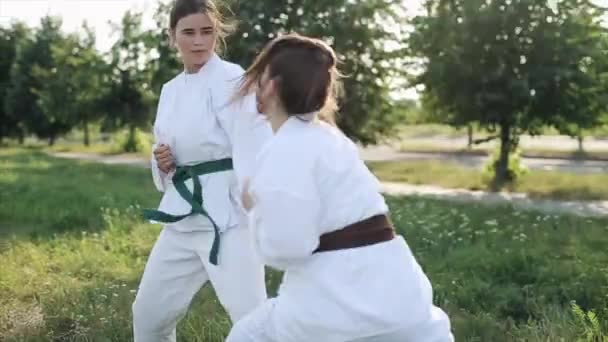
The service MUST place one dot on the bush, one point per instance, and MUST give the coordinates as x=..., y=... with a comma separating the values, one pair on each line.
x=515, y=171
x=588, y=322
x=139, y=142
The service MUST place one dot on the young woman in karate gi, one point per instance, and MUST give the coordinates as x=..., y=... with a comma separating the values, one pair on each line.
x=205, y=237
x=317, y=213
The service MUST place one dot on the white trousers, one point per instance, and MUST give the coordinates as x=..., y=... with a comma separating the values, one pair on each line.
x=377, y=293
x=178, y=267
x=257, y=327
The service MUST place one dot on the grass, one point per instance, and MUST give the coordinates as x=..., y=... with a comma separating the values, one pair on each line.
x=43, y=195
x=536, y=183
x=71, y=275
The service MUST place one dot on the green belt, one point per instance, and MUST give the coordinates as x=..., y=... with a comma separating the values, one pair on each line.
x=194, y=198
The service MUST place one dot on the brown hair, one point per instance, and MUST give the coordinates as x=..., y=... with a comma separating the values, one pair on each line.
x=184, y=8
x=306, y=71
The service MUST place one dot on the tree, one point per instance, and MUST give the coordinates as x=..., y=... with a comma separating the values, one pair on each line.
x=164, y=64
x=22, y=99
x=89, y=73
x=130, y=97
x=69, y=92
x=583, y=102
x=510, y=65
x=359, y=31
x=11, y=41
x=55, y=93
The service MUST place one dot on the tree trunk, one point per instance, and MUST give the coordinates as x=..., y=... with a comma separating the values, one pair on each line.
x=52, y=140
x=580, y=137
x=131, y=145
x=21, y=137
x=502, y=166
x=470, y=134
x=86, y=133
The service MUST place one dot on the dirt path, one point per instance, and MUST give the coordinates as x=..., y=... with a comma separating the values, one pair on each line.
x=388, y=153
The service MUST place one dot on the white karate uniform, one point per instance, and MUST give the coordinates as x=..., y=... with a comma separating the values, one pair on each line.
x=197, y=119
x=309, y=180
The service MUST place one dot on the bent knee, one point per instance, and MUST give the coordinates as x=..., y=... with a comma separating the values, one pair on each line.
x=240, y=305
x=150, y=316
x=237, y=310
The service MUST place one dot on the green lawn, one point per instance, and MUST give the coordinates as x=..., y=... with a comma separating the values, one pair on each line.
x=43, y=195
x=69, y=268
x=111, y=144
x=410, y=146
x=536, y=183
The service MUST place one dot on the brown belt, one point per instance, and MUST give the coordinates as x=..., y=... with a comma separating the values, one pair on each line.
x=373, y=230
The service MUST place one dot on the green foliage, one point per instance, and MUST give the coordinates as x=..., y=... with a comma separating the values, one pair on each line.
x=11, y=41
x=69, y=93
x=409, y=112
x=592, y=330
x=359, y=31
x=515, y=169
x=144, y=83
x=130, y=100
x=165, y=64
x=88, y=70
x=124, y=141
x=54, y=82
x=356, y=29
x=512, y=66
x=22, y=98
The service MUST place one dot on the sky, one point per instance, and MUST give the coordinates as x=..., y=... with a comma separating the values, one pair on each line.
x=97, y=13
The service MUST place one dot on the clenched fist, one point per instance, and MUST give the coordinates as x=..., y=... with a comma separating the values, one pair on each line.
x=164, y=158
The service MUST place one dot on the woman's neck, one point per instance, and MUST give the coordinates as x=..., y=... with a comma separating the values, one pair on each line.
x=193, y=69
x=277, y=119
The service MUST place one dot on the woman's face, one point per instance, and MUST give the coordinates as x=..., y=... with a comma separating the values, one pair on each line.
x=195, y=39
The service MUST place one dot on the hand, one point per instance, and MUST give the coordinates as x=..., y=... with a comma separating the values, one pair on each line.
x=164, y=158
x=246, y=197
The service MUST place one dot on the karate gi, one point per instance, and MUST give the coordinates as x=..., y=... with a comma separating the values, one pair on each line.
x=309, y=180
x=198, y=120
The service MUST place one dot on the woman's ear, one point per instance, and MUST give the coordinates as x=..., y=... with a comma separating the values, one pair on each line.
x=274, y=92
x=274, y=85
